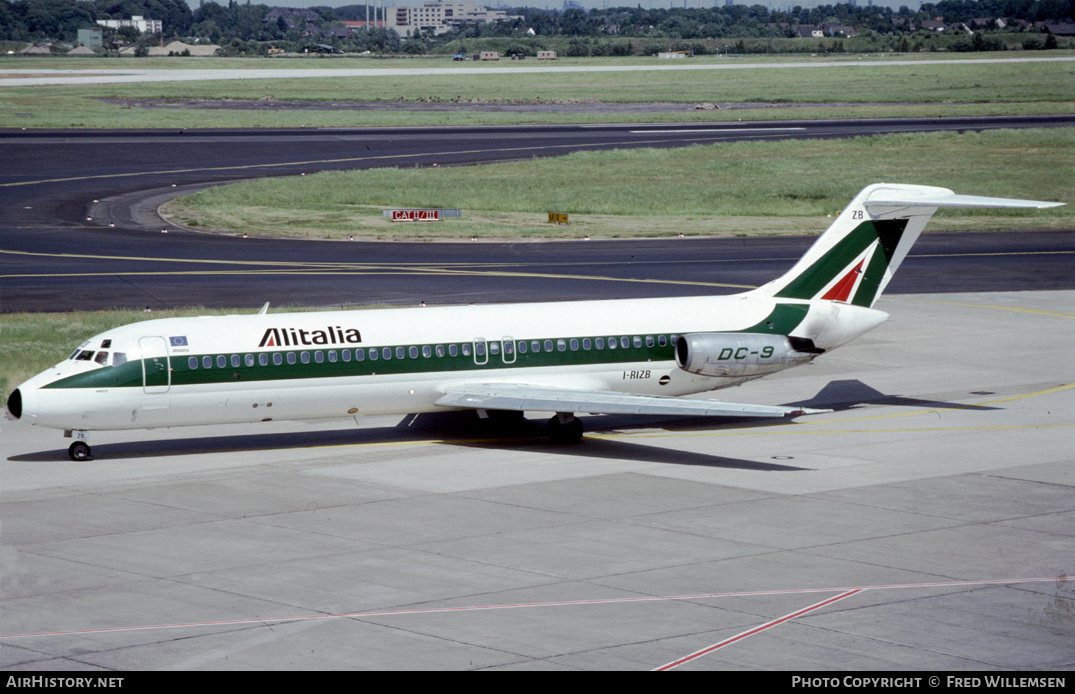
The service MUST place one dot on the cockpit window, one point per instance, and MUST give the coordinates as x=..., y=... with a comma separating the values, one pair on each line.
x=85, y=355
x=119, y=359
x=102, y=357
x=106, y=344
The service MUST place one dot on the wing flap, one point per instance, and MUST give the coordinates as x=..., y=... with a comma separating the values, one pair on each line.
x=522, y=397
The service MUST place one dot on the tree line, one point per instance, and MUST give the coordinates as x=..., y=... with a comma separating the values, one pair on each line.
x=241, y=27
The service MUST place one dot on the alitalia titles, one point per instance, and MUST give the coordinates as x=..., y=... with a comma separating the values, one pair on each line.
x=296, y=337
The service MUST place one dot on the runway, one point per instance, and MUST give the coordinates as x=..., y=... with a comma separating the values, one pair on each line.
x=79, y=230
x=128, y=75
x=922, y=526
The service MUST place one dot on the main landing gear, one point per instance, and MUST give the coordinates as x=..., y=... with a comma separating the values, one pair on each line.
x=564, y=427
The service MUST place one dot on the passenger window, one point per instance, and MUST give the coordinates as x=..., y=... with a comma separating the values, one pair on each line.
x=319, y=357
x=207, y=362
x=440, y=350
x=638, y=341
x=400, y=353
x=373, y=354
x=235, y=361
x=453, y=350
x=222, y=361
x=249, y=360
x=278, y=359
x=612, y=343
x=625, y=342
x=574, y=345
x=586, y=344
x=291, y=359
x=466, y=349
x=427, y=352
x=561, y=345
x=347, y=354
x=305, y=357
x=535, y=346
x=413, y=351
x=263, y=359
x=600, y=343
x=386, y=352
x=548, y=345
x=522, y=347
x=192, y=363
x=332, y=356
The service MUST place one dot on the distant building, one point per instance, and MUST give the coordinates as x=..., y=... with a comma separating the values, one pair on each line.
x=294, y=17
x=91, y=37
x=143, y=25
x=441, y=17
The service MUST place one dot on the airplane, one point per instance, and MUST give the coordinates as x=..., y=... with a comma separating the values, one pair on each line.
x=620, y=356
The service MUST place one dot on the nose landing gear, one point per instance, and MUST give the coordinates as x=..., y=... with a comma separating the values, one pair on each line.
x=80, y=449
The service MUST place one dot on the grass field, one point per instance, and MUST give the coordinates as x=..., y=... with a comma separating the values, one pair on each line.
x=863, y=88
x=725, y=189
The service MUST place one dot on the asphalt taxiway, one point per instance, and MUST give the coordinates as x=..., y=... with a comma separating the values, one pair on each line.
x=924, y=524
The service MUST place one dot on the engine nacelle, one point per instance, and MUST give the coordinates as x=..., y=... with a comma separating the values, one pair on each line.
x=741, y=354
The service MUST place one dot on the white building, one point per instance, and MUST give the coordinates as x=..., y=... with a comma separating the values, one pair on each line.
x=145, y=26
x=440, y=17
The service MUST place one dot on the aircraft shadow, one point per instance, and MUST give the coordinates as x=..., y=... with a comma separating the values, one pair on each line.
x=466, y=429
x=848, y=394
x=463, y=429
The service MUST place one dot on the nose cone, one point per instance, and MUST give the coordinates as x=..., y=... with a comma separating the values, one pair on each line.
x=22, y=404
x=14, y=404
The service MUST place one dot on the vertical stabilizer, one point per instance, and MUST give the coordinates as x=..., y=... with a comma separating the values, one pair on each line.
x=856, y=257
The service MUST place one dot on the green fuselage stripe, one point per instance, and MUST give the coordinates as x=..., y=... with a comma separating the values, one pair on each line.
x=568, y=351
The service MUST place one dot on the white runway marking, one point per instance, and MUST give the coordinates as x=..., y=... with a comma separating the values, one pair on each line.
x=713, y=130
x=30, y=77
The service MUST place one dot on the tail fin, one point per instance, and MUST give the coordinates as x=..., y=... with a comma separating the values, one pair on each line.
x=856, y=257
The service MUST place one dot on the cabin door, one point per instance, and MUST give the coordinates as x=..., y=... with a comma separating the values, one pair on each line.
x=156, y=365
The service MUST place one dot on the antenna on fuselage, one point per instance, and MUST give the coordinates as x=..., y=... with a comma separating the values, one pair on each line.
x=264, y=309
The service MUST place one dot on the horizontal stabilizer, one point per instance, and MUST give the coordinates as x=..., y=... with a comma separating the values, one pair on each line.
x=922, y=196
x=522, y=397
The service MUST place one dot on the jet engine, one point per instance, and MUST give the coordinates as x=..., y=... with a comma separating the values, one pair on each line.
x=741, y=354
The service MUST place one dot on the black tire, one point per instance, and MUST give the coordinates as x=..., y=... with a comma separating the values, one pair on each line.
x=79, y=451
x=564, y=432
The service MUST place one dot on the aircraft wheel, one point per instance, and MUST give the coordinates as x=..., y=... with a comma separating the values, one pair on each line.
x=564, y=432
x=79, y=451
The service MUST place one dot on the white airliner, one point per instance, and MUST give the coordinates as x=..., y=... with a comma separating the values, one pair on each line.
x=604, y=357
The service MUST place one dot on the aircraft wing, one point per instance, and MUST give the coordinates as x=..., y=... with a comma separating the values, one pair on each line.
x=522, y=397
